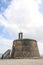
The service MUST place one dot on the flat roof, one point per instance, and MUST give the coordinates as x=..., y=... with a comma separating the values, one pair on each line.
x=25, y=40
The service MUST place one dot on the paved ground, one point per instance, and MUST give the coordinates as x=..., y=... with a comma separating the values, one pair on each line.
x=21, y=62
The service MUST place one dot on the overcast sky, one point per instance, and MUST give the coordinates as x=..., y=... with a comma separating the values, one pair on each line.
x=21, y=16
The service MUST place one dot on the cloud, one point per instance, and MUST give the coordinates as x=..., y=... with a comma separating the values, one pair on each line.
x=5, y=44
x=4, y=5
x=40, y=47
x=41, y=7
x=24, y=15
x=38, y=1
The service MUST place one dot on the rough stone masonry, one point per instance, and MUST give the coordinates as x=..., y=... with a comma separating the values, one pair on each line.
x=24, y=48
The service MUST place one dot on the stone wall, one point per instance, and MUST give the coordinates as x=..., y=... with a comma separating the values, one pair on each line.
x=25, y=48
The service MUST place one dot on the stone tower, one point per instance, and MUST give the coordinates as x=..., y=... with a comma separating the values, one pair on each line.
x=24, y=48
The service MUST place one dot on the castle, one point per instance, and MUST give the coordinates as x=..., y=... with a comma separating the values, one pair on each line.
x=22, y=49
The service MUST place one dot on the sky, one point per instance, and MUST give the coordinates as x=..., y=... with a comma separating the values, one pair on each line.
x=21, y=16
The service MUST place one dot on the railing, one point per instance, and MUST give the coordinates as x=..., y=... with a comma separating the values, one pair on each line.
x=7, y=54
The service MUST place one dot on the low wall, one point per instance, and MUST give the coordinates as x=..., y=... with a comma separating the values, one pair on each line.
x=21, y=62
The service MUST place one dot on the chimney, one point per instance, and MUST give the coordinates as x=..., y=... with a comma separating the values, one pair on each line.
x=20, y=35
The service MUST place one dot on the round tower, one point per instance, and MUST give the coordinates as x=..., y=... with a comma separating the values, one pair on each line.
x=24, y=48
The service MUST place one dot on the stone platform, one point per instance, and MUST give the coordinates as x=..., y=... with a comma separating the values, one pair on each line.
x=21, y=62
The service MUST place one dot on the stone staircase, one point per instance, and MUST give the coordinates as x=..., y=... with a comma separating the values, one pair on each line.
x=7, y=54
